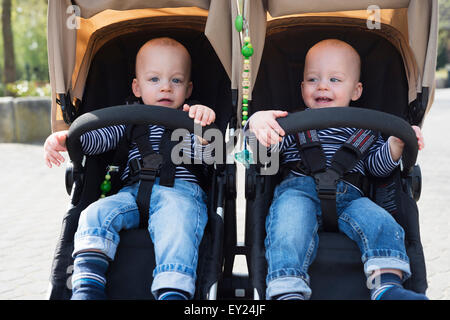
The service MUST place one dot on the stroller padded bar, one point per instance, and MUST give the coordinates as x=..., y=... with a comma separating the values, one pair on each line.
x=358, y=118
x=127, y=114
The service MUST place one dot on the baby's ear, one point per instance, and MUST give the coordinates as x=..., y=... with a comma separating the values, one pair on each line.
x=357, y=91
x=136, y=88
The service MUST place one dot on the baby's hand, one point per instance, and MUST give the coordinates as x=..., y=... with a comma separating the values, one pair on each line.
x=201, y=114
x=54, y=144
x=396, y=145
x=265, y=127
x=419, y=135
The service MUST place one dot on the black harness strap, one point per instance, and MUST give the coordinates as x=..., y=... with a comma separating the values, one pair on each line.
x=168, y=169
x=151, y=166
x=345, y=159
x=352, y=150
x=148, y=171
x=311, y=152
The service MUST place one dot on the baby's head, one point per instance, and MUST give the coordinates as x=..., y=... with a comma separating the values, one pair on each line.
x=163, y=70
x=331, y=75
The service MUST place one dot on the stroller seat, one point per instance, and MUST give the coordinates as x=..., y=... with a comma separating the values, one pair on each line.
x=130, y=274
x=337, y=272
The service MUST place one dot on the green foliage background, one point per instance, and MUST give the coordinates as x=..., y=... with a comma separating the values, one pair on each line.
x=444, y=33
x=29, y=24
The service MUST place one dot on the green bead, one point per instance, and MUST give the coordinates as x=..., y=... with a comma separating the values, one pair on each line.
x=245, y=108
x=244, y=117
x=247, y=50
x=105, y=186
x=239, y=23
x=244, y=100
x=108, y=177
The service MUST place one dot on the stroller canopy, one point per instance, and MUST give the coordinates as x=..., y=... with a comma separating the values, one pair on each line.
x=410, y=25
x=77, y=29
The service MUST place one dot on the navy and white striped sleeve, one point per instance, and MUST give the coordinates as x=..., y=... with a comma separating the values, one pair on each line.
x=101, y=140
x=379, y=161
x=287, y=142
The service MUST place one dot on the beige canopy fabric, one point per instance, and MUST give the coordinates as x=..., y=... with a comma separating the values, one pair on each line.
x=89, y=8
x=410, y=25
x=77, y=30
x=75, y=33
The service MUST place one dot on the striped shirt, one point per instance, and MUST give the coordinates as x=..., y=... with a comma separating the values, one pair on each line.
x=105, y=139
x=378, y=161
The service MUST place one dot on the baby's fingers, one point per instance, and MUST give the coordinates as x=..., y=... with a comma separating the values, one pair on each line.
x=277, y=128
x=53, y=157
x=202, y=115
x=267, y=137
x=199, y=116
x=211, y=117
x=196, y=113
x=262, y=138
x=273, y=136
x=419, y=135
x=186, y=107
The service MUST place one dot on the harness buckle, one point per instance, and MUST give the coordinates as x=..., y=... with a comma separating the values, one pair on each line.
x=149, y=169
x=326, y=183
x=135, y=167
x=150, y=166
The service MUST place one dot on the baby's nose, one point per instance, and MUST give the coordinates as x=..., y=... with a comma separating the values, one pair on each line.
x=322, y=85
x=166, y=85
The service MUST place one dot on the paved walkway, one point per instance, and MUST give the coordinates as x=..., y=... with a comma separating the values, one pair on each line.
x=33, y=201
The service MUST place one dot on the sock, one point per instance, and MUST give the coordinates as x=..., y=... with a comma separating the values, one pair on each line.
x=290, y=296
x=88, y=279
x=391, y=288
x=172, y=294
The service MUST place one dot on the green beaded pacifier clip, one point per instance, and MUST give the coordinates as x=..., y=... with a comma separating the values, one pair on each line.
x=241, y=25
x=105, y=187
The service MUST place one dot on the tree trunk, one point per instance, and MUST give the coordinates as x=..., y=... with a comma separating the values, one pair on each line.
x=8, y=44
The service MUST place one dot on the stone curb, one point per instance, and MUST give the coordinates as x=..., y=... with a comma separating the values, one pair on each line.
x=24, y=120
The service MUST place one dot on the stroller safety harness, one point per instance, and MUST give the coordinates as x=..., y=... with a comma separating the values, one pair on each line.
x=152, y=162
x=313, y=163
x=151, y=166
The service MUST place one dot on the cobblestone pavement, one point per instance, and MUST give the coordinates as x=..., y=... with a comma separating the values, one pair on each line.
x=33, y=200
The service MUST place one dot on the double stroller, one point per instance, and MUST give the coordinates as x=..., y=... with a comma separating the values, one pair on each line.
x=91, y=68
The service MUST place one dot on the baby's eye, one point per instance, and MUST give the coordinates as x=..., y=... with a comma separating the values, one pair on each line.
x=176, y=81
x=335, y=80
x=154, y=79
x=312, y=80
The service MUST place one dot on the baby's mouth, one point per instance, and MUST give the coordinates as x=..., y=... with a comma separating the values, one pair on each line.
x=165, y=101
x=323, y=100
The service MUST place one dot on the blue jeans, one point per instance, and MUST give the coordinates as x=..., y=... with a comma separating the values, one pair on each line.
x=292, y=240
x=177, y=219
